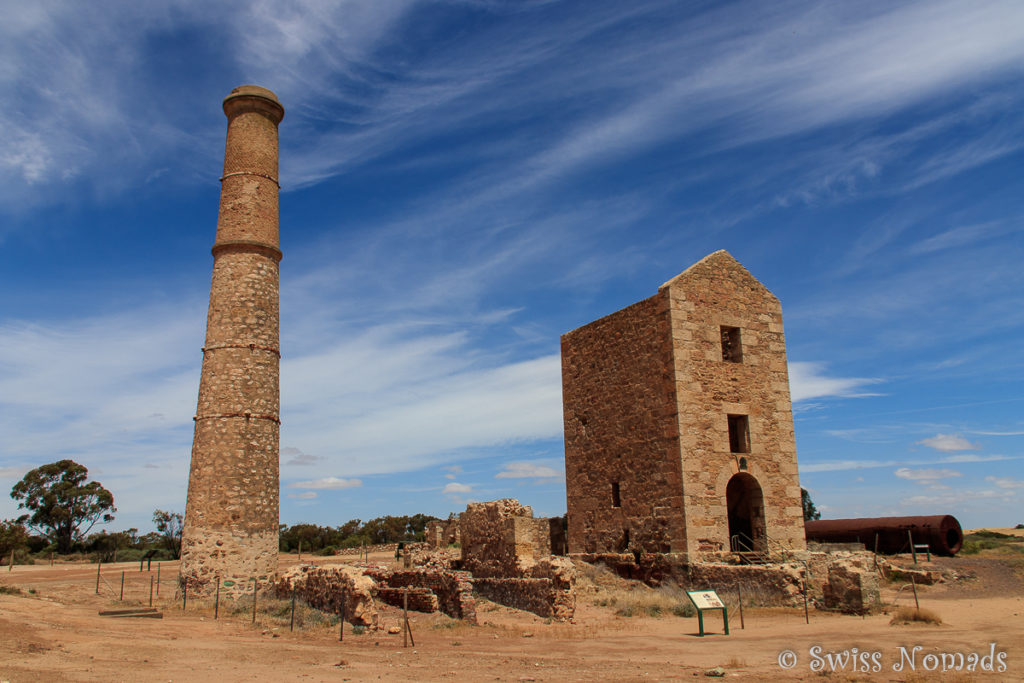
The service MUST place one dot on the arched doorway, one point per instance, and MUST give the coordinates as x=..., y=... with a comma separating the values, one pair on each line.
x=746, y=513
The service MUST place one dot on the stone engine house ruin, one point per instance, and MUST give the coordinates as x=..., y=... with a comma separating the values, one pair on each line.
x=678, y=424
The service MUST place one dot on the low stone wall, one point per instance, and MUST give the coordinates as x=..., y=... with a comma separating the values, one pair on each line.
x=776, y=584
x=453, y=588
x=539, y=596
x=325, y=588
x=420, y=599
x=381, y=547
x=851, y=590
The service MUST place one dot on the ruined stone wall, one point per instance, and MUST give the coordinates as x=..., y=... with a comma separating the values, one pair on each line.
x=539, y=596
x=779, y=584
x=621, y=431
x=557, y=535
x=329, y=589
x=718, y=292
x=441, y=533
x=501, y=538
x=453, y=588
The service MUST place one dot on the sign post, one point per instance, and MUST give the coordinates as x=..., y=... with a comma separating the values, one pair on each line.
x=708, y=601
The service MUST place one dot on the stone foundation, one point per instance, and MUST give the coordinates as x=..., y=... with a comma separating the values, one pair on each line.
x=234, y=560
x=851, y=590
x=453, y=589
x=324, y=588
x=539, y=596
x=774, y=584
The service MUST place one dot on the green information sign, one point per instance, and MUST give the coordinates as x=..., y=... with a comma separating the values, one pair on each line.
x=708, y=601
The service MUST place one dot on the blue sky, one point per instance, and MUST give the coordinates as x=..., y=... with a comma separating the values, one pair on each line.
x=464, y=181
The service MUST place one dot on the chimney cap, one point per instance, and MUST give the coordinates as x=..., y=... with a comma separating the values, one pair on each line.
x=252, y=91
x=271, y=105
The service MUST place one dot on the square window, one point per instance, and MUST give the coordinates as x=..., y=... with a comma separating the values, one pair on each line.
x=732, y=346
x=739, y=434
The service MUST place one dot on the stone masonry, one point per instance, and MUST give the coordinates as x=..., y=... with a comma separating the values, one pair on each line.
x=508, y=552
x=678, y=424
x=231, y=517
x=441, y=533
x=501, y=538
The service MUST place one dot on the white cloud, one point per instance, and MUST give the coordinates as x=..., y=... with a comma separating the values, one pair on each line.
x=306, y=495
x=1006, y=482
x=949, y=443
x=955, y=498
x=455, y=487
x=843, y=465
x=528, y=470
x=808, y=380
x=926, y=475
x=299, y=458
x=452, y=471
x=327, y=483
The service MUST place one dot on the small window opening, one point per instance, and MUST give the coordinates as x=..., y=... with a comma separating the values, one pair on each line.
x=625, y=538
x=739, y=434
x=743, y=464
x=616, y=499
x=732, y=347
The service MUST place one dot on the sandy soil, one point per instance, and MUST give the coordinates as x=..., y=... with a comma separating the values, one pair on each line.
x=55, y=634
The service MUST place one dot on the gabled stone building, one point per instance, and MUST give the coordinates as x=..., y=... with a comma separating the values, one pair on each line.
x=678, y=424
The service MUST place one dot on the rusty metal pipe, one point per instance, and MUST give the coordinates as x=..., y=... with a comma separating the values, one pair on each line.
x=942, y=533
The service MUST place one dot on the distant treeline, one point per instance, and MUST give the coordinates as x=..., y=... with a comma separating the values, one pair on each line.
x=354, y=533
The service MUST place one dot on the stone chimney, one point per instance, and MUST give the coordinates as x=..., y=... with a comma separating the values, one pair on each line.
x=231, y=516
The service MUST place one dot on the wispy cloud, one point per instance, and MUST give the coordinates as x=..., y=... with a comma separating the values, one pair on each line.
x=298, y=458
x=964, y=235
x=949, y=443
x=528, y=470
x=327, y=484
x=456, y=487
x=808, y=380
x=1006, y=482
x=926, y=474
x=865, y=464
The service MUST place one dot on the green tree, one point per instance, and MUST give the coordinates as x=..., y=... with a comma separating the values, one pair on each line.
x=810, y=511
x=13, y=536
x=63, y=505
x=169, y=525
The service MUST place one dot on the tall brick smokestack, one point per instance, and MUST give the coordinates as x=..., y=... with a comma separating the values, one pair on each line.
x=231, y=517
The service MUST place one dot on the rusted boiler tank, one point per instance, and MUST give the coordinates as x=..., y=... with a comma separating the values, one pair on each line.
x=942, y=533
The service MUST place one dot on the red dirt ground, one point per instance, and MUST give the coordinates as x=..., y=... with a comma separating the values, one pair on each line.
x=55, y=634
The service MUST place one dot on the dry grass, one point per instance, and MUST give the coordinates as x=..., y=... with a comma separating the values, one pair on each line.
x=910, y=615
x=631, y=598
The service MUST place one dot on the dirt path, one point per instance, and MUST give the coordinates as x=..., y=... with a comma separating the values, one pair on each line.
x=55, y=634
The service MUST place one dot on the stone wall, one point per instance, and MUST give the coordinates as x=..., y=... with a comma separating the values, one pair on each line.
x=509, y=555
x=441, y=533
x=623, y=475
x=501, y=538
x=453, y=589
x=851, y=590
x=539, y=596
x=649, y=394
x=325, y=588
x=776, y=584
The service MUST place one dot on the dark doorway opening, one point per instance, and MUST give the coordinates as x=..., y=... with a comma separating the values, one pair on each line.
x=745, y=503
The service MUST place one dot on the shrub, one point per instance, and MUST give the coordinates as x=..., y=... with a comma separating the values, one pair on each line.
x=907, y=615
